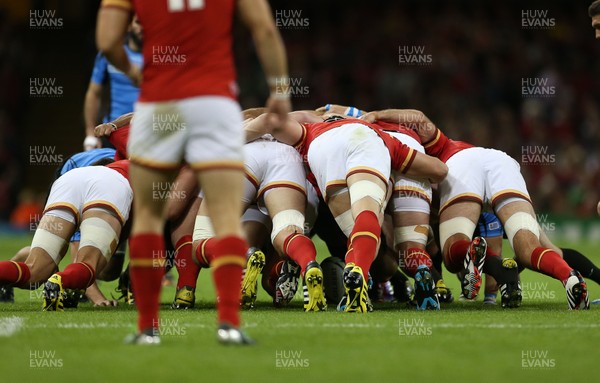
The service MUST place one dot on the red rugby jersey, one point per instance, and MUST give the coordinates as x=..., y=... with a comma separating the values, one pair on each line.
x=187, y=47
x=443, y=148
x=402, y=156
x=397, y=128
x=119, y=139
x=120, y=166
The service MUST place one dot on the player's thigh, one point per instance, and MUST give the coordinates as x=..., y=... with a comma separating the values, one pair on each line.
x=100, y=231
x=286, y=209
x=339, y=201
x=367, y=192
x=522, y=229
x=284, y=198
x=49, y=243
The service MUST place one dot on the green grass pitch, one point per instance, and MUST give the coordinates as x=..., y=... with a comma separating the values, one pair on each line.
x=541, y=341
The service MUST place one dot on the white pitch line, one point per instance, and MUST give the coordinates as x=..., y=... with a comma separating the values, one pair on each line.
x=10, y=325
x=350, y=325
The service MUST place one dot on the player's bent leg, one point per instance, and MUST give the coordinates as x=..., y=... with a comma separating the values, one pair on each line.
x=48, y=247
x=99, y=236
x=368, y=196
x=523, y=233
x=187, y=269
x=257, y=228
x=7, y=294
x=286, y=207
x=461, y=254
x=411, y=232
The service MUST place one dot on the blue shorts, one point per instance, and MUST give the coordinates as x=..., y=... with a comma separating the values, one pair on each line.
x=488, y=226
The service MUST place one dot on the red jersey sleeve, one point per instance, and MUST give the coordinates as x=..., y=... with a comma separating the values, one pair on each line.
x=435, y=146
x=302, y=144
x=119, y=139
x=443, y=148
x=401, y=154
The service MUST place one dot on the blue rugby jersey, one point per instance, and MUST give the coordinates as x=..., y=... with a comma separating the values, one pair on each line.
x=123, y=94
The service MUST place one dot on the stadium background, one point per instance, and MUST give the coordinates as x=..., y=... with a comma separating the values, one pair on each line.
x=348, y=52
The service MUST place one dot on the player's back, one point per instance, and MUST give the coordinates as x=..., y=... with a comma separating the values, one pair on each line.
x=187, y=48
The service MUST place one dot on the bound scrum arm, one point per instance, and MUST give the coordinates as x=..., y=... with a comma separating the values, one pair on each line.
x=412, y=118
x=289, y=133
x=427, y=166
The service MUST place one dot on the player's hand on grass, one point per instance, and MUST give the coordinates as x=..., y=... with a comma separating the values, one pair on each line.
x=106, y=303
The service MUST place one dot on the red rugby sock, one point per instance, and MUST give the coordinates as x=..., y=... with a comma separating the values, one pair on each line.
x=550, y=263
x=364, y=239
x=300, y=249
x=205, y=252
x=228, y=263
x=187, y=269
x=455, y=258
x=14, y=272
x=146, y=270
x=77, y=275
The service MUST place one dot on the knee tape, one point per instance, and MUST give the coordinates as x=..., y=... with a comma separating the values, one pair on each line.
x=286, y=218
x=364, y=188
x=98, y=233
x=203, y=228
x=49, y=242
x=453, y=226
x=520, y=221
x=414, y=233
x=346, y=222
x=411, y=204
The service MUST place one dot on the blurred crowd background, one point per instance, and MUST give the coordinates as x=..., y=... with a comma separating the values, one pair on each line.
x=477, y=55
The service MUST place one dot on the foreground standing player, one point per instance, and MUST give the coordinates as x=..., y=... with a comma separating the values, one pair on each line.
x=187, y=111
